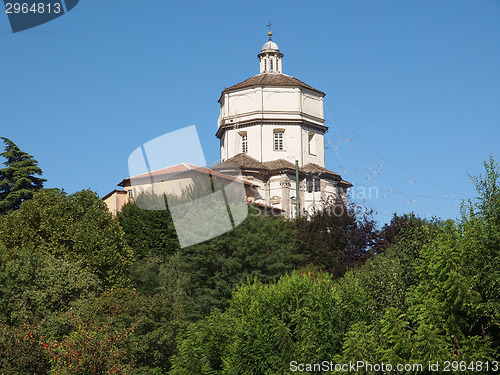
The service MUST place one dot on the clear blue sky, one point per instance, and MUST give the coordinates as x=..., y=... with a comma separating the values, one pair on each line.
x=413, y=88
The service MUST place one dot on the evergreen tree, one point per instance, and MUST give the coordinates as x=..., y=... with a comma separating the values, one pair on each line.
x=18, y=181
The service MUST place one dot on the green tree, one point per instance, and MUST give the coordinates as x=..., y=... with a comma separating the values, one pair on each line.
x=445, y=278
x=77, y=228
x=18, y=181
x=481, y=228
x=36, y=290
x=301, y=317
x=34, y=285
x=118, y=328
x=402, y=241
x=148, y=232
x=259, y=247
x=22, y=350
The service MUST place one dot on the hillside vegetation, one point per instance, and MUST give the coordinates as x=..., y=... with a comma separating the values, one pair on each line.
x=82, y=292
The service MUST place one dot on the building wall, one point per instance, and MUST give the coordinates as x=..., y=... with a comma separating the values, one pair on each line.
x=233, y=146
x=267, y=104
x=260, y=141
x=277, y=191
x=316, y=153
x=271, y=103
x=174, y=186
x=282, y=194
x=116, y=200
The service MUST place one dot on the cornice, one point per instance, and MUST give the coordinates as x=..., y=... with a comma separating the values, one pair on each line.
x=276, y=122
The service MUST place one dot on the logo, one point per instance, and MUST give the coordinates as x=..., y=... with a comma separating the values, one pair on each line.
x=169, y=172
x=25, y=14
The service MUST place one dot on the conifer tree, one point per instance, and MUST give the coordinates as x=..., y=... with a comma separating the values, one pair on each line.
x=18, y=180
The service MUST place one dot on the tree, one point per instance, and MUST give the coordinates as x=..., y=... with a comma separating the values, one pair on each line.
x=403, y=239
x=36, y=289
x=18, y=181
x=259, y=247
x=21, y=350
x=77, y=228
x=148, y=232
x=337, y=238
x=119, y=330
x=487, y=204
x=35, y=285
x=448, y=275
x=481, y=228
x=301, y=317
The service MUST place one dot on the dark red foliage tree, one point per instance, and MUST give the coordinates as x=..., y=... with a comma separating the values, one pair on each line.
x=337, y=238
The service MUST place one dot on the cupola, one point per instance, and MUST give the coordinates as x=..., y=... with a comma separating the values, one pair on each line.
x=270, y=57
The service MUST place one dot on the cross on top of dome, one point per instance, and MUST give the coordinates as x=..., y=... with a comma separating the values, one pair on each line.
x=270, y=45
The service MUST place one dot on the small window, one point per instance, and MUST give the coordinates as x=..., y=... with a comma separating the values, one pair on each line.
x=278, y=141
x=271, y=65
x=317, y=186
x=130, y=194
x=311, y=145
x=309, y=184
x=244, y=143
x=313, y=184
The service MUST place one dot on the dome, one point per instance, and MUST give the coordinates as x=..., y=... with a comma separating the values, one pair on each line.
x=270, y=45
x=270, y=57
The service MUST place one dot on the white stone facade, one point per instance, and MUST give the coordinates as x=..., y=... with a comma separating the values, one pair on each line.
x=266, y=124
x=259, y=112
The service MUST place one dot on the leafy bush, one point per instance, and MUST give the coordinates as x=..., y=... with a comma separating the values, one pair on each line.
x=77, y=228
x=36, y=285
x=301, y=317
x=22, y=351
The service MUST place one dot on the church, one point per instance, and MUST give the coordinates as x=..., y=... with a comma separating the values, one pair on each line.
x=271, y=129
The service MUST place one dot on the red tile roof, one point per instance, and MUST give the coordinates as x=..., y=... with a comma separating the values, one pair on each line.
x=113, y=192
x=183, y=167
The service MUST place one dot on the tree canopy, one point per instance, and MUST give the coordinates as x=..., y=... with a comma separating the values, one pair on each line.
x=432, y=293
x=76, y=227
x=18, y=180
x=83, y=292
